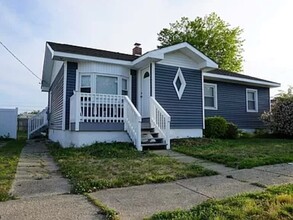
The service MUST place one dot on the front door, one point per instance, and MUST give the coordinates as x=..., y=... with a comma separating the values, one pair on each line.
x=145, y=93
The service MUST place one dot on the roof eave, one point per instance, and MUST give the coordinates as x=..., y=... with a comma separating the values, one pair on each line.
x=63, y=56
x=47, y=68
x=241, y=80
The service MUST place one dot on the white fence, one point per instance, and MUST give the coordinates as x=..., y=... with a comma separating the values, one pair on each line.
x=106, y=108
x=8, y=123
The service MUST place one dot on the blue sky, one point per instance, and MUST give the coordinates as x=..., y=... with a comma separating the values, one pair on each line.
x=115, y=25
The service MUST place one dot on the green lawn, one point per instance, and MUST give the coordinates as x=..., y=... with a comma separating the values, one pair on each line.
x=118, y=164
x=9, y=156
x=276, y=203
x=239, y=153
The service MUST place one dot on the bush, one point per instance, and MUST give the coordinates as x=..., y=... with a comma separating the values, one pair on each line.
x=215, y=127
x=280, y=118
x=232, y=131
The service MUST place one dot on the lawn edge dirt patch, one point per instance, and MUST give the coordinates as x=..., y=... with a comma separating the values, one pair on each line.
x=109, y=213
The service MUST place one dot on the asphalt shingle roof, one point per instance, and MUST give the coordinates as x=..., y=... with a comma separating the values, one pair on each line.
x=128, y=57
x=66, y=48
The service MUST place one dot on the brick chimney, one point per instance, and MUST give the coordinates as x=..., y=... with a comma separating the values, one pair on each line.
x=137, y=51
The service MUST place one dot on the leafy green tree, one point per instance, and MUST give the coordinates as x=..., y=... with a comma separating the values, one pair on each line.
x=211, y=35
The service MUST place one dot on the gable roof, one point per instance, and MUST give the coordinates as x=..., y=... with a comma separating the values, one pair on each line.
x=66, y=48
x=220, y=74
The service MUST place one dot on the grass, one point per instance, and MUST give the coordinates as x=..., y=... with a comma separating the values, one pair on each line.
x=109, y=213
x=9, y=156
x=238, y=153
x=104, y=165
x=276, y=203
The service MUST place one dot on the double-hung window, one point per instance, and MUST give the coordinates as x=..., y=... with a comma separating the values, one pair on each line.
x=210, y=96
x=103, y=84
x=251, y=100
x=124, y=87
x=85, y=83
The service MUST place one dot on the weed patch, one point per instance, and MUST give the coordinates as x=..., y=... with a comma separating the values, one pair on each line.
x=103, y=165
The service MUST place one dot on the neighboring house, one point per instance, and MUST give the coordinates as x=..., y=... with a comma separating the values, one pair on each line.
x=8, y=123
x=98, y=95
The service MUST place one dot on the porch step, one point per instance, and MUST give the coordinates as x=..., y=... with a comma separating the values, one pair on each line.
x=153, y=140
x=154, y=146
x=146, y=129
x=150, y=140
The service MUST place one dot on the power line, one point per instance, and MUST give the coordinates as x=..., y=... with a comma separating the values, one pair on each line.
x=20, y=61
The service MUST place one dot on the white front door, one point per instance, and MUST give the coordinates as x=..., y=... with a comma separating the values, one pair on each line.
x=145, y=93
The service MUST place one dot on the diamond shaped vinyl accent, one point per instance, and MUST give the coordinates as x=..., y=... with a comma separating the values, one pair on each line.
x=179, y=83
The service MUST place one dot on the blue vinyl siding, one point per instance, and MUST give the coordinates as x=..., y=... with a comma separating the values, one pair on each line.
x=56, y=108
x=185, y=113
x=232, y=104
x=70, y=87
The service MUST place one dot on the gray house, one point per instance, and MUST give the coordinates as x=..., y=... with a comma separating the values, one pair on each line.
x=148, y=99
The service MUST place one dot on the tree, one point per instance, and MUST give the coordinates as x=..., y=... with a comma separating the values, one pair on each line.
x=280, y=118
x=211, y=35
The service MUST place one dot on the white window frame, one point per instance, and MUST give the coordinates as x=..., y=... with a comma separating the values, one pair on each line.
x=93, y=80
x=127, y=85
x=215, y=96
x=256, y=100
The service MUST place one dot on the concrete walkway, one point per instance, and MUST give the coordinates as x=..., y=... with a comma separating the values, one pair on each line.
x=138, y=202
x=42, y=192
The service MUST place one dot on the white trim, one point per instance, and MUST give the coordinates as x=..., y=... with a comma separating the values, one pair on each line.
x=157, y=55
x=62, y=55
x=185, y=133
x=138, y=98
x=179, y=75
x=257, y=82
x=256, y=100
x=51, y=50
x=202, y=96
x=215, y=96
x=77, y=80
x=153, y=80
x=64, y=96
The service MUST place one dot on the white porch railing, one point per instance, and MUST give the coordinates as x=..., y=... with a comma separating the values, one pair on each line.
x=37, y=122
x=132, y=122
x=106, y=108
x=160, y=120
x=94, y=107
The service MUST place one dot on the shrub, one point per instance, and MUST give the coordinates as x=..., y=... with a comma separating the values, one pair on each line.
x=280, y=118
x=215, y=127
x=232, y=131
